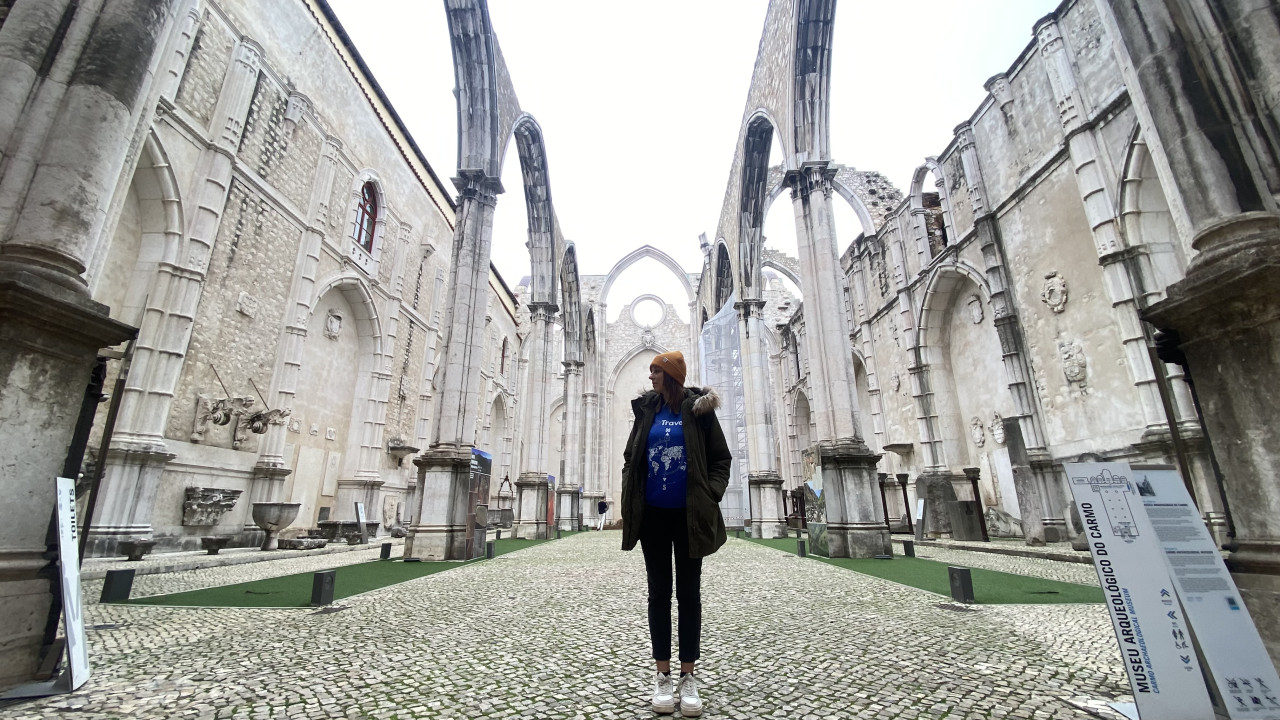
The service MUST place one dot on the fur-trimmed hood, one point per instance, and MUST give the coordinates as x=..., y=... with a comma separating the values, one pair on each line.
x=705, y=400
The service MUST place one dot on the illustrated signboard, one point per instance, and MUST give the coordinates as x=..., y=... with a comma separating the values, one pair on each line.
x=1149, y=624
x=1238, y=662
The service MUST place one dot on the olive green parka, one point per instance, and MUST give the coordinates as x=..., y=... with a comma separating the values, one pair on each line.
x=708, y=459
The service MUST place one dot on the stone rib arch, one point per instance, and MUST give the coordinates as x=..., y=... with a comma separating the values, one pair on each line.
x=778, y=185
x=783, y=270
x=653, y=253
x=545, y=245
x=754, y=200
x=811, y=91
x=915, y=197
x=627, y=357
x=476, y=79
x=571, y=305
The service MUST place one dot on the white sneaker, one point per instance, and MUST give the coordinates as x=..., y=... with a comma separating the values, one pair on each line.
x=664, y=700
x=690, y=703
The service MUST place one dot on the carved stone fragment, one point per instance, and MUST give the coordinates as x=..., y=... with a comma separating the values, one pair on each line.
x=203, y=506
x=1055, y=292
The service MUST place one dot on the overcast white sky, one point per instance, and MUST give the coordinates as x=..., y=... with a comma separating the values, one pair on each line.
x=640, y=104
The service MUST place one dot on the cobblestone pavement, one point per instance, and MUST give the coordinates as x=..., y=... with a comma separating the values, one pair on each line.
x=558, y=630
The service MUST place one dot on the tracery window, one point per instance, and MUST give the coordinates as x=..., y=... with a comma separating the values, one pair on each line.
x=502, y=362
x=724, y=278
x=367, y=217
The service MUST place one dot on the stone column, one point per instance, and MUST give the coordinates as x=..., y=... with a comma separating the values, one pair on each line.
x=763, y=481
x=1205, y=89
x=854, y=525
x=70, y=125
x=444, y=470
x=537, y=398
x=568, y=492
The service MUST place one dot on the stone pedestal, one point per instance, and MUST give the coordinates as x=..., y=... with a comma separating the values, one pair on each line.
x=567, y=508
x=937, y=488
x=854, y=526
x=440, y=530
x=766, y=505
x=49, y=337
x=126, y=497
x=1227, y=317
x=531, y=507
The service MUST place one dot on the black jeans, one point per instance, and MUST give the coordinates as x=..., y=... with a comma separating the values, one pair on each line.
x=665, y=534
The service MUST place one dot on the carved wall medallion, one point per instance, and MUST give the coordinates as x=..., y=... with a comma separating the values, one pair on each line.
x=330, y=434
x=1055, y=292
x=295, y=425
x=647, y=338
x=895, y=382
x=333, y=324
x=977, y=432
x=247, y=305
x=975, y=309
x=315, y=429
x=1074, y=363
x=997, y=428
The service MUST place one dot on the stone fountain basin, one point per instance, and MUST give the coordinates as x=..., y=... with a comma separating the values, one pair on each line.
x=274, y=517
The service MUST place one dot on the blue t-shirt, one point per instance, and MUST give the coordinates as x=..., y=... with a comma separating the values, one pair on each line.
x=668, y=464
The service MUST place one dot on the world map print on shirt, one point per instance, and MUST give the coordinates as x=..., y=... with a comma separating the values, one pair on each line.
x=668, y=465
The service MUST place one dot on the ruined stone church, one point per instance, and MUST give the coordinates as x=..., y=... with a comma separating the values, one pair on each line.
x=230, y=282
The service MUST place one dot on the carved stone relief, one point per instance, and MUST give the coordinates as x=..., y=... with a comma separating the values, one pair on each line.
x=295, y=425
x=203, y=506
x=977, y=432
x=333, y=324
x=315, y=429
x=1075, y=366
x=247, y=305
x=1055, y=292
x=975, y=309
x=895, y=382
x=997, y=429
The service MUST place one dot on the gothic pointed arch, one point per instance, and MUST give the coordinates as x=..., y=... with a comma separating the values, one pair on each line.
x=476, y=79
x=916, y=196
x=653, y=253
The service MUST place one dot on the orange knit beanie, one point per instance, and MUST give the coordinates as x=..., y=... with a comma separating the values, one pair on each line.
x=671, y=363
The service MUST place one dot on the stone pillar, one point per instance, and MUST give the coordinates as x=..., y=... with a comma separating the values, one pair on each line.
x=854, y=528
x=1205, y=89
x=763, y=481
x=568, y=490
x=444, y=471
x=537, y=398
x=69, y=126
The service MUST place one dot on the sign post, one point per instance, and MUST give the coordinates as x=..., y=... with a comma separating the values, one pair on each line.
x=364, y=531
x=77, y=671
x=1237, y=660
x=1148, y=621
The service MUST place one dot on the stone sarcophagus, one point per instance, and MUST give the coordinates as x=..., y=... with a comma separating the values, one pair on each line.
x=204, y=506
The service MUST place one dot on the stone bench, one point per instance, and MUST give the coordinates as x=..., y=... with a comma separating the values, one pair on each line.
x=213, y=544
x=135, y=549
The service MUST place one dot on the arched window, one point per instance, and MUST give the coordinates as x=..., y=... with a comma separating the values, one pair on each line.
x=367, y=217
x=502, y=363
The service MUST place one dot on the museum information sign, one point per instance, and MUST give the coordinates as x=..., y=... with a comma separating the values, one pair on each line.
x=1149, y=624
x=1229, y=643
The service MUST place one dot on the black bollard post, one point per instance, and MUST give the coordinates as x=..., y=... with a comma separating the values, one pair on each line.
x=801, y=551
x=488, y=550
x=498, y=536
x=386, y=552
x=117, y=586
x=961, y=584
x=322, y=587
x=909, y=548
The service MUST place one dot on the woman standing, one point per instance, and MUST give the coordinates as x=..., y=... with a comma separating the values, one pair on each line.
x=675, y=470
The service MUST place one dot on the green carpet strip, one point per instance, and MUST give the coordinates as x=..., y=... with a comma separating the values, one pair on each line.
x=989, y=586
x=291, y=591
